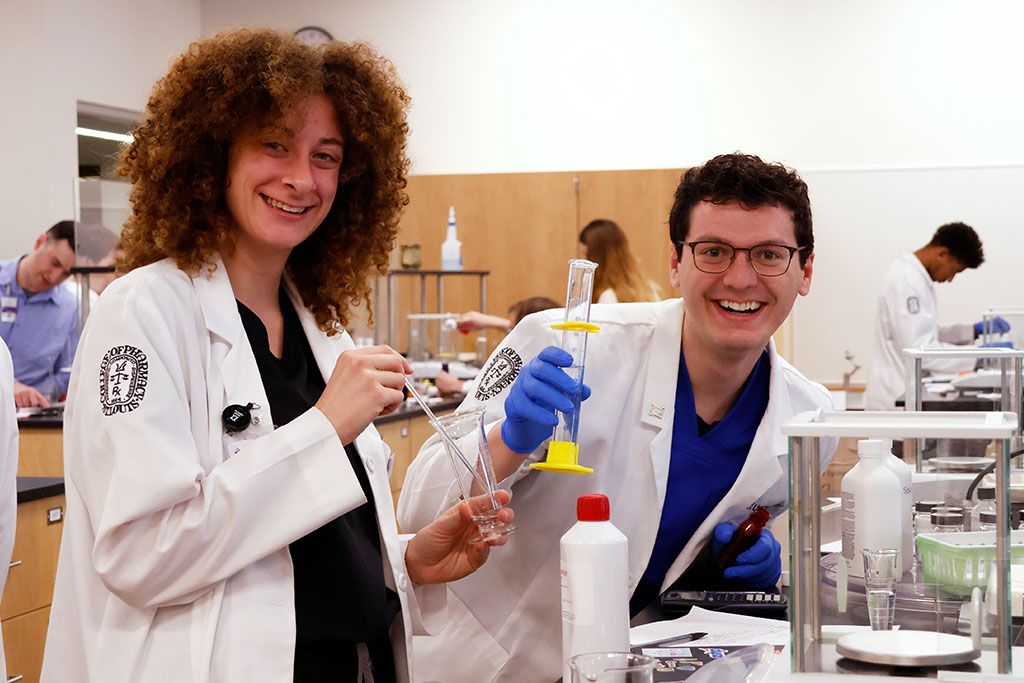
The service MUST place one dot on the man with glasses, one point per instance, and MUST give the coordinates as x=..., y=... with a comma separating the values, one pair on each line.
x=907, y=314
x=682, y=429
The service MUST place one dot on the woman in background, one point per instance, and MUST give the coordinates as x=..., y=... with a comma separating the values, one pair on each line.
x=229, y=511
x=618, y=278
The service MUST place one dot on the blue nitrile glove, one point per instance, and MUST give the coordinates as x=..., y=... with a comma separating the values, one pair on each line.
x=998, y=345
x=996, y=326
x=541, y=388
x=759, y=566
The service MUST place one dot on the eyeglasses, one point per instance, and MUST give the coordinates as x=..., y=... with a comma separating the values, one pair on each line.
x=770, y=260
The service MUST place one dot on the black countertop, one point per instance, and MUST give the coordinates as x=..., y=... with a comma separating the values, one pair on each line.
x=34, y=488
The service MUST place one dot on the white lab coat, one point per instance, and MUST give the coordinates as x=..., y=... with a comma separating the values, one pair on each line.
x=907, y=317
x=8, y=475
x=174, y=564
x=505, y=620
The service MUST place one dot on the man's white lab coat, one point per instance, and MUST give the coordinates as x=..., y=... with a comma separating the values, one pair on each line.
x=907, y=317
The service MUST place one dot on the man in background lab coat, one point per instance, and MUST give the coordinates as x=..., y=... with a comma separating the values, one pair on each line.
x=682, y=430
x=907, y=314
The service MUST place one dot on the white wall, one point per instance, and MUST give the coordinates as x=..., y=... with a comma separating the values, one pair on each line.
x=54, y=53
x=543, y=85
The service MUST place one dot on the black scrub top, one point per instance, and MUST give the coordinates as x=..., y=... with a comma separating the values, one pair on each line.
x=340, y=595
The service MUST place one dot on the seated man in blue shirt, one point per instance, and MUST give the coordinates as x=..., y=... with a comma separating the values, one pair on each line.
x=683, y=430
x=39, y=320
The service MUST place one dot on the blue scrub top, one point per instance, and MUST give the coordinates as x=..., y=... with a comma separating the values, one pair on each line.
x=43, y=334
x=703, y=468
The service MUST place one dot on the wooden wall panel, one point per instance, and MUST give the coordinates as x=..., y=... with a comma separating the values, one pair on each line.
x=520, y=226
x=639, y=201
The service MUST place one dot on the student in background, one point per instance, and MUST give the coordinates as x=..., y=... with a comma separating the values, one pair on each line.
x=907, y=314
x=40, y=319
x=475, y=321
x=618, y=277
x=8, y=474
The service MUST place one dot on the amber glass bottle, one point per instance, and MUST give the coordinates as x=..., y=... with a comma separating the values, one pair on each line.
x=744, y=537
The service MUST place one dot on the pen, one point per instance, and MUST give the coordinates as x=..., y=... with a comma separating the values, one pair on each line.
x=685, y=638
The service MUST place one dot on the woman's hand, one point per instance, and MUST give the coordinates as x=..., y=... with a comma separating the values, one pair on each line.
x=441, y=550
x=366, y=383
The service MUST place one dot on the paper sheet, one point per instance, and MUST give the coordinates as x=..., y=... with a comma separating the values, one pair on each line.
x=722, y=628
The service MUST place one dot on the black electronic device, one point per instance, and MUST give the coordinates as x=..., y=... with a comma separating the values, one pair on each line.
x=762, y=603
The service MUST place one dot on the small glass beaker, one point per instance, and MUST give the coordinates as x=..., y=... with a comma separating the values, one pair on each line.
x=411, y=256
x=881, y=569
x=612, y=667
x=475, y=477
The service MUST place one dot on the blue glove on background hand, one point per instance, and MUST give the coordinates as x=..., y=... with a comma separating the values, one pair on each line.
x=760, y=566
x=541, y=388
x=995, y=326
x=998, y=345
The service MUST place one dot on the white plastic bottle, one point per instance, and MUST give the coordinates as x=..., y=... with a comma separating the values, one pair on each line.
x=871, y=496
x=451, y=248
x=903, y=473
x=595, y=583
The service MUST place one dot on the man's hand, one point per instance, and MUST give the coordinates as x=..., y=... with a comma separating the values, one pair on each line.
x=760, y=566
x=996, y=325
x=441, y=551
x=27, y=397
x=541, y=389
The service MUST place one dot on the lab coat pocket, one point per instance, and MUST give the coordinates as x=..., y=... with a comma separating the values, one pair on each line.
x=465, y=652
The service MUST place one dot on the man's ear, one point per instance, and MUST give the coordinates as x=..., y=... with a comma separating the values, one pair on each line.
x=673, y=266
x=40, y=241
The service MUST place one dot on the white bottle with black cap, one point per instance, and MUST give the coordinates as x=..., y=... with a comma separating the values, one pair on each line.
x=595, y=583
x=871, y=496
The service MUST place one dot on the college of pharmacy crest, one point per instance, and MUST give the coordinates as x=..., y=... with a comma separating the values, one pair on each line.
x=499, y=373
x=124, y=373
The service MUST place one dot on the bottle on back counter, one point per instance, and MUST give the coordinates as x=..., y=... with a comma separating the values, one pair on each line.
x=871, y=499
x=451, y=248
x=595, y=583
x=743, y=538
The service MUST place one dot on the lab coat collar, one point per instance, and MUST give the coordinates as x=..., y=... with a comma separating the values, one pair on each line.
x=233, y=356
x=660, y=388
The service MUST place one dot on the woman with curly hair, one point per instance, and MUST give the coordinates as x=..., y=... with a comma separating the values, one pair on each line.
x=229, y=512
x=618, y=278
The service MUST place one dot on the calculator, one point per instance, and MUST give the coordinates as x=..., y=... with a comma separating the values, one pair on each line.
x=744, y=602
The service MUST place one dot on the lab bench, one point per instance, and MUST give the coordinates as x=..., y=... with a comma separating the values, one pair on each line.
x=25, y=608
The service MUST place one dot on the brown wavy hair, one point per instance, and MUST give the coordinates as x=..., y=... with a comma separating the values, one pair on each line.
x=746, y=179
x=608, y=247
x=221, y=85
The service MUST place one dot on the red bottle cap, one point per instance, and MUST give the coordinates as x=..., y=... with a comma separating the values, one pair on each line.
x=592, y=507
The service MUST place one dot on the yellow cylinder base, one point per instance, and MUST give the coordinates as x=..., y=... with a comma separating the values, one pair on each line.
x=562, y=457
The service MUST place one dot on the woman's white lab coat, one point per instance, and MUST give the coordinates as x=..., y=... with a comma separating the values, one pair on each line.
x=907, y=317
x=174, y=563
x=505, y=620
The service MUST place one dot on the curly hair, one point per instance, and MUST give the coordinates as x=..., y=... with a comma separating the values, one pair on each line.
x=177, y=162
x=743, y=178
x=963, y=243
x=608, y=247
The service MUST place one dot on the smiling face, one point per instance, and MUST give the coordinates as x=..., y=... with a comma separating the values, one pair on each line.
x=736, y=312
x=281, y=180
x=48, y=265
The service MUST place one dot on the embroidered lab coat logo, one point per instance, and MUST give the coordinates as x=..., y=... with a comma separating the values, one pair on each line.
x=124, y=373
x=499, y=374
x=913, y=305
